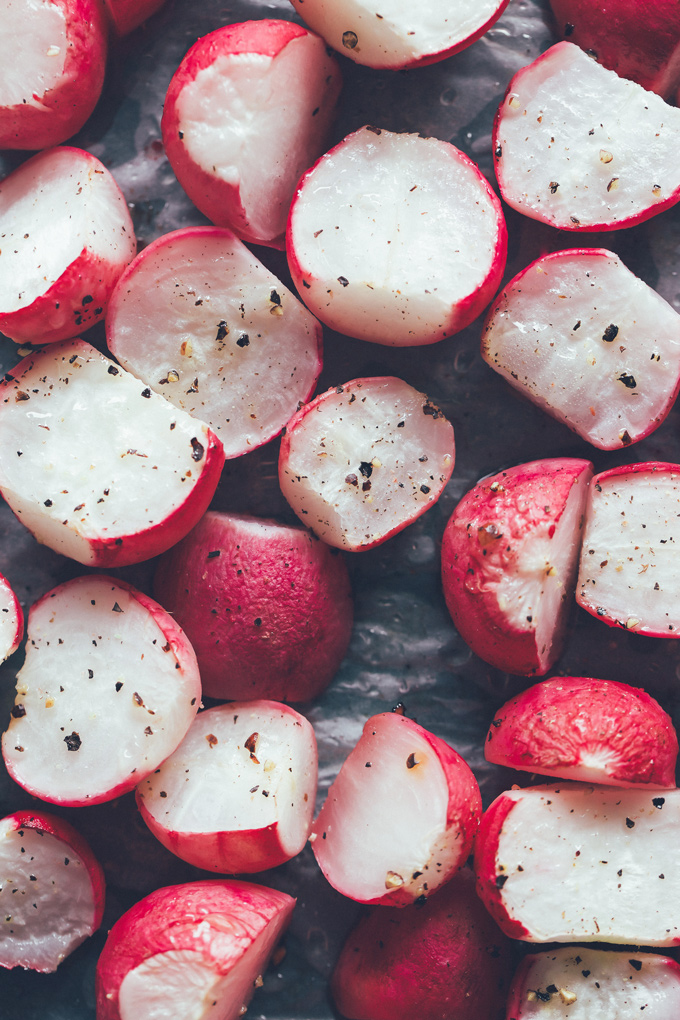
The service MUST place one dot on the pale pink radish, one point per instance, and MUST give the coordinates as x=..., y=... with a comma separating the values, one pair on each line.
x=509, y=561
x=96, y=465
x=51, y=891
x=580, y=148
x=247, y=111
x=126, y=15
x=588, y=342
x=400, y=817
x=66, y=237
x=396, y=238
x=239, y=587
x=108, y=690
x=197, y=950
x=200, y=320
x=11, y=620
x=597, y=731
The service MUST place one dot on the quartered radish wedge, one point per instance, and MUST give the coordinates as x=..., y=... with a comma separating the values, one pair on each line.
x=51, y=891
x=108, y=690
x=96, y=465
x=201, y=321
x=400, y=818
x=66, y=238
x=396, y=238
x=590, y=343
x=11, y=620
x=582, y=149
x=364, y=460
x=237, y=795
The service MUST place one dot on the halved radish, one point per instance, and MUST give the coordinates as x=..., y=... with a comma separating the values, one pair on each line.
x=582, y=149
x=96, y=465
x=509, y=560
x=66, y=237
x=237, y=796
x=576, y=863
x=598, y=731
x=201, y=321
x=11, y=620
x=364, y=460
x=247, y=111
x=108, y=690
x=590, y=343
x=51, y=891
x=401, y=816
x=197, y=950
x=396, y=238
x=630, y=558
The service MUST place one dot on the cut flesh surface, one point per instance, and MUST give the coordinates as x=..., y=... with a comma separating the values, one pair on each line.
x=11, y=620
x=33, y=46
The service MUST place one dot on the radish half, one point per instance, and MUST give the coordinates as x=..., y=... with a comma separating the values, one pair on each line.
x=396, y=238
x=11, y=620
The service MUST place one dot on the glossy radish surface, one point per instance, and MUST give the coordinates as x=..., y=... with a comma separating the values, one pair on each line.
x=11, y=620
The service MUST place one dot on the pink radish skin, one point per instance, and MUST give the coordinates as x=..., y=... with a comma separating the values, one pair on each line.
x=374, y=854
x=11, y=620
x=184, y=948
x=509, y=561
x=597, y=731
x=127, y=15
x=239, y=587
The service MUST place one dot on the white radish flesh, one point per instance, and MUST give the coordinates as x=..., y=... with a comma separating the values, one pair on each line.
x=11, y=620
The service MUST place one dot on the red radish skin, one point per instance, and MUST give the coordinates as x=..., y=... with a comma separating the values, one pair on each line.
x=597, y=731
x=127, y=15
x=239, y=587
x=11, y=620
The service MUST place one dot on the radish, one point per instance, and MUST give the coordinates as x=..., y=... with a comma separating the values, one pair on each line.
x=51, y=892
x=126, y=15
x=66, y=237
x=598, y=731
x=239, y=586
x=247, y=111
x=588, y=342
x=97, y=466
x=197, y=950
x=201, y=321
x=582, y=149
x=108, y=690
x=509, y=560
x=396, y=238
x=11, y=620
x=628, y=575
x=401, y=816
x=237, y=795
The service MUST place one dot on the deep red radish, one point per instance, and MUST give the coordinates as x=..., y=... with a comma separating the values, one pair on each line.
x=509, y=561
x=598, y=731
x=196, y=950
x=239, y=587
x=200, y=320
x=237, y=796
x=109, y=687
x=364, y=460
x=133, y=473
x=11, y=620
x=396, y=238
x=126, y=15
x=66, y=238
x=52, y=891
x=628, y=575
x=580, y=148
x=400, y=817
x=247, y=111
x=588, y=342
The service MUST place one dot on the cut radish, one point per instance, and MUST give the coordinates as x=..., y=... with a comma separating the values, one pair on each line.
x=575, y=863
x=197, y=950
x=582, y=149
x=509, y=561
x=97, y=466
x=629, y=574
x=108, y=690
x=588, y=342
x=237, y=795
x=396, y=238
x=202, y=322
x=51, y=891
x=247, y=111
x=364, y=460
x=373, y=853
x=66, y=238
x=11, y=620
x=598, y=731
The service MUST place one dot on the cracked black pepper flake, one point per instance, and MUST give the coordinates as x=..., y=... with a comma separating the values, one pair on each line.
x=628, y=380
x=637, y=964
x=243, y=340
x=344, y=281
x=498, y=151
x=610, y=333
x=366, y=469
x=222, y=330
x=18, y=712
x=658, y=802
x=411, y=761
x=274, y=298
x=500, y=881
x=116, y=608
x=73, y=741
x=119, y=684
x=630, y=824
x=213, y=553
x=112, y=370
x=258, y=621
x=430, y=409
x=351, y=480
x=425, y=489
x=197, y=450
x=553, y=187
